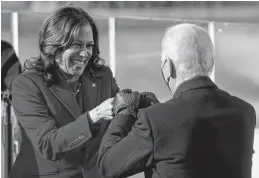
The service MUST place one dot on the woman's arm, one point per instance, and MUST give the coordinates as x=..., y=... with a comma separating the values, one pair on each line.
x=32, y=113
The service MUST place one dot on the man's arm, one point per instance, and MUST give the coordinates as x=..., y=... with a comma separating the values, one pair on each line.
x=124, y=152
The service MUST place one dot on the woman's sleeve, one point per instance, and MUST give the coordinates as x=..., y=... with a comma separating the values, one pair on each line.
x=32, y=113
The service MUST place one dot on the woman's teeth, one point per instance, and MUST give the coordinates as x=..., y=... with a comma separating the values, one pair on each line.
x=79, y=63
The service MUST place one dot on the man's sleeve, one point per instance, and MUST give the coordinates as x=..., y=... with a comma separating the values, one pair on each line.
x=124, y=152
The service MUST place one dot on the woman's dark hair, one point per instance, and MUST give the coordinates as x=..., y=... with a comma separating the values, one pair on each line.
x=57, y=33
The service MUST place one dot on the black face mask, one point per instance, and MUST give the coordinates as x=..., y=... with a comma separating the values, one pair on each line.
x=166, y=81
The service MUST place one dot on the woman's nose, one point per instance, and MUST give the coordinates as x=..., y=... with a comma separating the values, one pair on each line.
x=83, y=54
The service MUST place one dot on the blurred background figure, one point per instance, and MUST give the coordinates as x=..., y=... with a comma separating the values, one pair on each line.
x=130, y=33
x=10, y=65
x=10, y=68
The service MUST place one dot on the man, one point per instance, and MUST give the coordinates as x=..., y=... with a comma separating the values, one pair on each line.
x=202, y=132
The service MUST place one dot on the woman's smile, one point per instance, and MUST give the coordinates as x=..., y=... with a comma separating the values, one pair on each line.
x=79, y=63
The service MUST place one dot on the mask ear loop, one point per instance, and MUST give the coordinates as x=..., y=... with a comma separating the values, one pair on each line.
x=167, y=80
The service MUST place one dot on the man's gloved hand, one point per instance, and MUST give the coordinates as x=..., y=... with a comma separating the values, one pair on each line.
x=126, y=102
x=147, y=99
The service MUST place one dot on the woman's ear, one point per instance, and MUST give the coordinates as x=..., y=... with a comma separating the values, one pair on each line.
x=58, y=57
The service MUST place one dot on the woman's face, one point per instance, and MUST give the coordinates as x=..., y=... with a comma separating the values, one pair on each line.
x=74, y=59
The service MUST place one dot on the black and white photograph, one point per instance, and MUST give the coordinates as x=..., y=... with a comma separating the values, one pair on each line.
x=129, y=89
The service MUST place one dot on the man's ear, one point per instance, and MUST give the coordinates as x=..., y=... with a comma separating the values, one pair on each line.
x=169, y=69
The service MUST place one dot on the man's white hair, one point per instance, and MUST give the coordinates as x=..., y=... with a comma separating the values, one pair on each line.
x=191, y=49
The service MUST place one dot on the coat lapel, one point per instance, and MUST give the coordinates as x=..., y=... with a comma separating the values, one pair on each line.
x=64, y=94
x=91, y=90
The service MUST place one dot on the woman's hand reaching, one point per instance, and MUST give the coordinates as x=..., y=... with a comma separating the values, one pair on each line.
x=103, y=111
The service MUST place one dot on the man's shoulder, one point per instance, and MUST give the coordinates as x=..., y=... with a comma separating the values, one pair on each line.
x=168, y=105
x=162, y=111
x=238, y=102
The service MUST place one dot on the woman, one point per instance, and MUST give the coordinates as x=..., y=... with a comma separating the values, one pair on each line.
x=63, y=100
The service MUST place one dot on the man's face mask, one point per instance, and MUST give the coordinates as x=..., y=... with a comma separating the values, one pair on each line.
x=165, y=79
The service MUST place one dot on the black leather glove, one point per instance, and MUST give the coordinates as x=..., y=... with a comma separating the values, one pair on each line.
x=126, y=102
x=147, y=99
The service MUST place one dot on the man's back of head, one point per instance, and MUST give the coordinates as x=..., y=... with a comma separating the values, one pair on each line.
x=190, y=49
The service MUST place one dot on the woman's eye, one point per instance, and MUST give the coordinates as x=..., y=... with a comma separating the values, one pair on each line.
x=90, y=45
x=76, y=45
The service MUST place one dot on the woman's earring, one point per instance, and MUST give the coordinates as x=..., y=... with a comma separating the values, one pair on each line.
x=56, y=64
x=57, y=60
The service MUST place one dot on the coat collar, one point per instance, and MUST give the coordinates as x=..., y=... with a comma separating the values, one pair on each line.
x=63, y=92
x=195, y=83
x=90, y=92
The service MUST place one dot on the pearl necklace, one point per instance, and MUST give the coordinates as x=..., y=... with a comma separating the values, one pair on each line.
x=78, y=89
